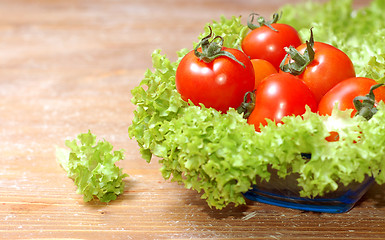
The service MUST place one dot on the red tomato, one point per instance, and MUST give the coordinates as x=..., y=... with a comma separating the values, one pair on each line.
x=279, y=95
x=220, y=84
x=265, y=43
x=329, y=67
x=333, y=137
x=262, y=69
x=344, y=92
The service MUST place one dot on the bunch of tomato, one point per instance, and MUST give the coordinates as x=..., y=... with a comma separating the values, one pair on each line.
x=274, y=75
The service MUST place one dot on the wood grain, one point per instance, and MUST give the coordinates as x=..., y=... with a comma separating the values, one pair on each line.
x=67, y=66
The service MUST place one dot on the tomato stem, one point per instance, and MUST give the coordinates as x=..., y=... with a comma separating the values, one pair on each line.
x=366, y=105
x=213, y=49
x=298, y=61
x=248, y=104
x=261, y=21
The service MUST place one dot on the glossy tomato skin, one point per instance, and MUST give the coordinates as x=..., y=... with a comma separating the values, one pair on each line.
x=344, y=92
x=265, y=43
x=279, y=95
x=220, y=84
x=329, y=67
x=262, y=69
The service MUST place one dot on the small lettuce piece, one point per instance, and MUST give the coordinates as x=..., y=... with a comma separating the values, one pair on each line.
x=92, y=166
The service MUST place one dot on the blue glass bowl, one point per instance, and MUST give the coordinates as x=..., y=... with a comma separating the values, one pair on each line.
x=285, y=193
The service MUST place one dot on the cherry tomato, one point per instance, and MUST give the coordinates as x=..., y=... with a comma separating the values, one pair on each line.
x=279, y=95
x=329, y=67
x=333, y=137
x=268, y=44
x=220, y=84
x=344, y=92
x=262, y=69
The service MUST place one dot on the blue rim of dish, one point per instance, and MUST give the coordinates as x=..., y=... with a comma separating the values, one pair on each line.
x=340, y=204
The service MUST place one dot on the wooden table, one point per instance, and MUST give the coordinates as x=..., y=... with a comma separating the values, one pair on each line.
x=67, y=66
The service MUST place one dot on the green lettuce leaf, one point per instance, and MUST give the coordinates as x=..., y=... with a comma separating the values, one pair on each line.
x=221, y=156
x=331, y=163
x=92, y=166
x=212, y=152
x=157, y=101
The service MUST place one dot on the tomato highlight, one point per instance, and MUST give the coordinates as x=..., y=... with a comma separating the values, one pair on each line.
x=280, y=95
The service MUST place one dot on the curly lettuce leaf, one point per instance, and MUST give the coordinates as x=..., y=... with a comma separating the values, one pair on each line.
x=157, y=101
x=212, y=152
x=330, y=163
x=221, y=156
x=92, y=166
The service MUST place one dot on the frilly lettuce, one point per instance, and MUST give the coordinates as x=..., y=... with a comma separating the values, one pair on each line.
x=157, y=101
x=220, y=155
x=92, y=166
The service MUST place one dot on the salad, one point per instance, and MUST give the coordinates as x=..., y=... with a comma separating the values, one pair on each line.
x=221, y=153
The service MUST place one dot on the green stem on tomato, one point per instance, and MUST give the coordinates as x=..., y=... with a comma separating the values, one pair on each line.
x=248, y=104
x=212, y=49
x=298, y=62
x=366, y=105
x=262, y=21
